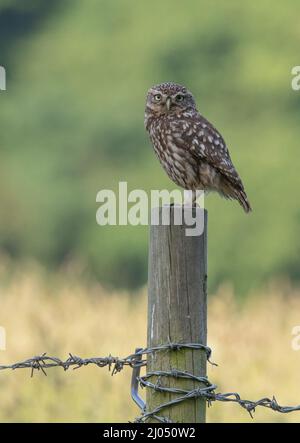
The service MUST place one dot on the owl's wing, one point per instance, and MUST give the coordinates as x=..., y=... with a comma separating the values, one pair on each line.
x=207, y=144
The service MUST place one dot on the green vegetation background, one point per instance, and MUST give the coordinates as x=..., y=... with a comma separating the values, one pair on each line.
x=72, y=124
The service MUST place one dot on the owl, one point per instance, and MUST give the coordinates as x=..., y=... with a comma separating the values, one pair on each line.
x=190, y=149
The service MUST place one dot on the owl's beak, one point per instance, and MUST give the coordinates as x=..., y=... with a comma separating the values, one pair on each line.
x=168, y=103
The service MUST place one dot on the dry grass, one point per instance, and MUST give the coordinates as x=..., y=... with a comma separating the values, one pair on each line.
x=251, y=343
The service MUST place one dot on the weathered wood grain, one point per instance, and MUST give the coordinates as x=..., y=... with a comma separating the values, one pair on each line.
x=177, y=310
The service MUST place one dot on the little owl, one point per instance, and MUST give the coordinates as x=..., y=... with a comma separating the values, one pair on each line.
x=190, y=149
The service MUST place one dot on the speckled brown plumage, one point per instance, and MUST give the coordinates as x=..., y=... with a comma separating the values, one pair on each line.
x=190, y=149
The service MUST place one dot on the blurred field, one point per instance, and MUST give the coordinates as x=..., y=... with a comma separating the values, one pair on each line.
x=251, y=343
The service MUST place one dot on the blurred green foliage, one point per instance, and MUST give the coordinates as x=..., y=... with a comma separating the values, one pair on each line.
x=72, y=124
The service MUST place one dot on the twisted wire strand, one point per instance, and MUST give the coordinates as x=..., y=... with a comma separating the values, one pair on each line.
x=208, y=392
x=44, y=361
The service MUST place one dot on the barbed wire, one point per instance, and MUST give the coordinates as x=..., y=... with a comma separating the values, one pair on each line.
x=44, y=361
x=206, y=389
x=208, y=392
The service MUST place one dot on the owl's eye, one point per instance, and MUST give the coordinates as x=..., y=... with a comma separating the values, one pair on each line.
x=179, y=97
x=157, y=97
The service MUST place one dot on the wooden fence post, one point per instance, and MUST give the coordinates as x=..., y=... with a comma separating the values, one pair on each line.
x=177, y=312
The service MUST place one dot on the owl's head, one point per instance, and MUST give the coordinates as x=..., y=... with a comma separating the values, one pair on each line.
x=169, y=98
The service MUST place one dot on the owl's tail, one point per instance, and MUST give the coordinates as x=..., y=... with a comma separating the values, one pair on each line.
x=243, y=200
x=237, y=193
